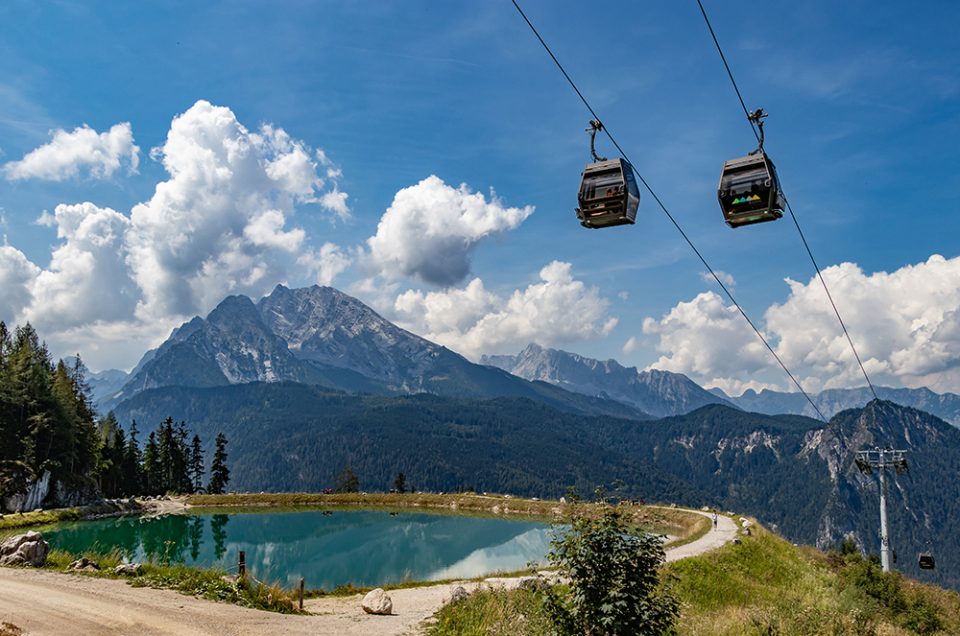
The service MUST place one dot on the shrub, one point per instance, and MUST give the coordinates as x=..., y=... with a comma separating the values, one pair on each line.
x=922, y=617
x=885, y=587
x=612, y=573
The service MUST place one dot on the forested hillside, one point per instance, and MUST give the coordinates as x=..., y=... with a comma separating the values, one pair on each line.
x=46, y=421
x=292, y=437
x=792, y=472
x=56, y=451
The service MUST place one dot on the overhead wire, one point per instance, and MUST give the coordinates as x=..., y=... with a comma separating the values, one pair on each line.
x=793, y=216
x=670, y=216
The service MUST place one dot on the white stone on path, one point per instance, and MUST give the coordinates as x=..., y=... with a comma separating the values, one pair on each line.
x=377, y=602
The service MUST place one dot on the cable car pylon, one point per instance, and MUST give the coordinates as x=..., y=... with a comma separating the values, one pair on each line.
x=880, y=459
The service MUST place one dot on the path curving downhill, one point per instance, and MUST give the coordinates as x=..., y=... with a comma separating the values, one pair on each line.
x=45, y=603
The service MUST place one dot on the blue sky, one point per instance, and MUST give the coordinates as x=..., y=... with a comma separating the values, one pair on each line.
x=864, y=103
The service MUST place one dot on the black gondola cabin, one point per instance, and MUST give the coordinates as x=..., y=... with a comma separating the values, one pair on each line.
x=608, y=194
x=749, y=191
x=926, y=561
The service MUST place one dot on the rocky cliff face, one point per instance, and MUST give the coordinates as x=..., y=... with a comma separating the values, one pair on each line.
x=921, y=502
x=326, y=326
x=233, y=345
x=656, y=392
x=799, y=475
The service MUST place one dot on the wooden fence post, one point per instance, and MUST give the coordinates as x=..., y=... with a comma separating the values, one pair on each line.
x=301, y=592
x=242, y=566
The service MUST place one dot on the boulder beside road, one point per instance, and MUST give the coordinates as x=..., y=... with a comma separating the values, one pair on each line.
x=24, y=549
x=377, y=602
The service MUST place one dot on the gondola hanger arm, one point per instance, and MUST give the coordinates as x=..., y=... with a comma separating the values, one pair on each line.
x=757, y=117
x=595, y=127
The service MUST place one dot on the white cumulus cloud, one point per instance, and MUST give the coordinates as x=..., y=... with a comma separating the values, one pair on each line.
x=219, y=225
x=84, y=149
x=17, y=274
x=725, y=278
x=87, y=279
x=431, y=229
x=707, y=339
x=472, y=321
x=325, y=264
x=905, y=325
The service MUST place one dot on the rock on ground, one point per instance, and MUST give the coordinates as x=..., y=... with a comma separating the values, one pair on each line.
x=128, y=569
x=84, y=565
x=377, y=602
x=24, y=548
x=459, y=594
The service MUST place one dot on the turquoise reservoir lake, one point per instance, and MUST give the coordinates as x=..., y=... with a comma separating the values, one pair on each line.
x=362, y=547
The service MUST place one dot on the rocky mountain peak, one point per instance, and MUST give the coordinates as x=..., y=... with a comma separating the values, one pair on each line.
x=656, y=392
x=884, y=423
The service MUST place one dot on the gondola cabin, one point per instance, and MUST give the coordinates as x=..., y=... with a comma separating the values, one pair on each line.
x=608, y=194
x=749, y=191
x=926, y=561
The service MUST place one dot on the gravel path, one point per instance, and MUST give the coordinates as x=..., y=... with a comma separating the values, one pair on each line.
x=45, y=603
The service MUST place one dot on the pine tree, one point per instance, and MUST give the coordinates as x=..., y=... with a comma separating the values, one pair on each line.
x=133, y=482
x=196, y=463
x=400, y=483
x=152, y=472
x=165, y=451
x=347, y=480
x=112, y=447
x=219, y=473
x=182, y=469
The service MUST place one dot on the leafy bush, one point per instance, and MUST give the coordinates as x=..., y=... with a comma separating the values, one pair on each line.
x=922, y=617
x=612, y=573
x=884, y=587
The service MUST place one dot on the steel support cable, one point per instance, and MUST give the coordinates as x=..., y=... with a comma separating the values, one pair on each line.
x=793, y=216
x=673, y=220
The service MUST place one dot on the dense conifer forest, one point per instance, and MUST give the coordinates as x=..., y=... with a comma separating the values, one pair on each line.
x=48, y=426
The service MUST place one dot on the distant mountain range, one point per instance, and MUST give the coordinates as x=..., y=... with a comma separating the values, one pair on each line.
x=830, y=402
x=322, y=337
x=662, y=393
x=656, y=392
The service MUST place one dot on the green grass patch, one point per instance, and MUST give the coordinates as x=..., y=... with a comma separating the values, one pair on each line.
x=763, y=586
x=494, y=612
x=206, y=583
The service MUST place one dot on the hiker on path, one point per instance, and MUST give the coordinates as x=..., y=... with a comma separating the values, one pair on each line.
x=714, y=521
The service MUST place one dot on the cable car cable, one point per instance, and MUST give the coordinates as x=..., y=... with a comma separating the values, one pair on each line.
x=803, y=238
x=667, y=212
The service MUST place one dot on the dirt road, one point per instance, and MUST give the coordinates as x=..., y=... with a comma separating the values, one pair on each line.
x=44, y=603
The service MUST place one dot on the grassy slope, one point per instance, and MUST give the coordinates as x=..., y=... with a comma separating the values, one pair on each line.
x=763, y=586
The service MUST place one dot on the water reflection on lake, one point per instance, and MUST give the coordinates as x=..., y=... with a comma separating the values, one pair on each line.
x=363, y=547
